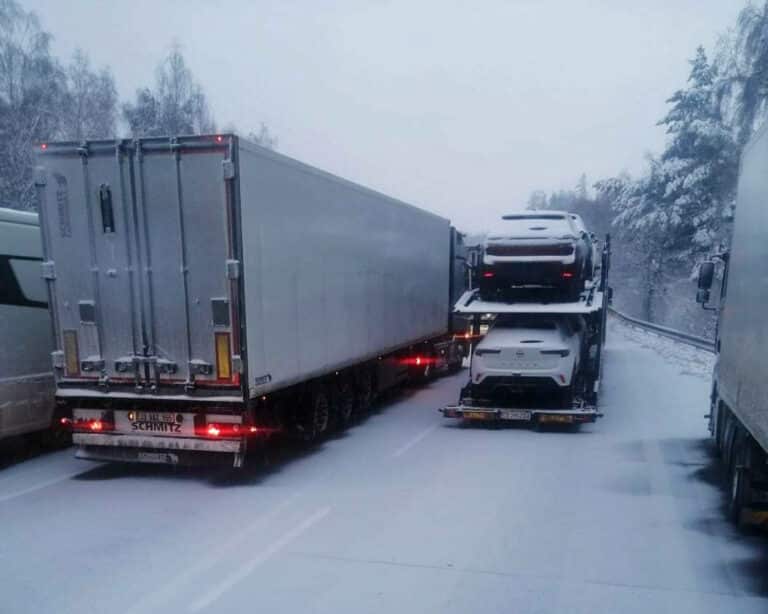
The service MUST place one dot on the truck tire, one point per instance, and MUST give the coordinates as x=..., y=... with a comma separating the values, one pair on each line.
x=720, y=420
x=344, y=402
x=317, y=416
x=729, y=439
x=364, y=390
x=740, y=494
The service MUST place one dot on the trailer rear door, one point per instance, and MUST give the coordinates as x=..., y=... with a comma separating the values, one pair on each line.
x=142, y=260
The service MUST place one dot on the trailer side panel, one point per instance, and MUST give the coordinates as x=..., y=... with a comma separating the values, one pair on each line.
x=335, y=274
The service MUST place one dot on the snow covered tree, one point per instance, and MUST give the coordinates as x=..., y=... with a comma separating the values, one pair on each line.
x=742, y=62
x=263, y=137
x=699, y=166
x=89, y=108
x=177, y=105
x=681, y=206
x=537, y=200
x=31, y=90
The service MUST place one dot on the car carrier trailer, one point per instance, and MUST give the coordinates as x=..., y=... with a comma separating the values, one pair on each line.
x=592, y=306
x=206, y=291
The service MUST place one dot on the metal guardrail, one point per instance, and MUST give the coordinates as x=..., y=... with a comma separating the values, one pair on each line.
x=699, y=342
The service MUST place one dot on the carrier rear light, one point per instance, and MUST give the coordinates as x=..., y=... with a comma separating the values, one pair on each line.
x=567, y=274
x=71, y=354
x=467, y=336
x=223, y=356
x=489, y=274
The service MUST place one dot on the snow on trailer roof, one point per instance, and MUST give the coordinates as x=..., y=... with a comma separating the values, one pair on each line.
x=471, y=304
x=534, y=224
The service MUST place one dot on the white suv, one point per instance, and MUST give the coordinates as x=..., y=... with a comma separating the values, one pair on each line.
x=523, y=355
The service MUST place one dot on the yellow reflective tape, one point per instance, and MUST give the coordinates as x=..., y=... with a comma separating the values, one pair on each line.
x=223, y=356
x=71, y=353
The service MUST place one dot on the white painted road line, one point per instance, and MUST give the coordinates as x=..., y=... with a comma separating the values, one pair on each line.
x=40, y=486
x=415, y=440
x=247, y=569
x=176, y=585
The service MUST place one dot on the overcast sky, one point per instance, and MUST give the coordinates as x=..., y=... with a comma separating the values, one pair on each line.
x=462, y=108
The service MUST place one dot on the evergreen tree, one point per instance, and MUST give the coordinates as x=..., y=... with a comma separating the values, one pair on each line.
x=177, y=105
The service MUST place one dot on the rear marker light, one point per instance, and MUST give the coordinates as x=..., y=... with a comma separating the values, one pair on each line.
x=488, y=274
x=567, y=275
x=44, y=146
x=213, y=430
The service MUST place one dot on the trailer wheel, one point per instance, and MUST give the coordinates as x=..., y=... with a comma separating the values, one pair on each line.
x=318, y=415
x=741, y=489
x=345, y=402
x=364, y=390
x=720, y=418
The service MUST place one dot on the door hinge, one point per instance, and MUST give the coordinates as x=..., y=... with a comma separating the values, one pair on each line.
x=48, y=269
x=166, y=367
x=200, y=367
x=228, y=168
x=237, y=364
x=233, y=269
x=92, y=364
x=40, y=176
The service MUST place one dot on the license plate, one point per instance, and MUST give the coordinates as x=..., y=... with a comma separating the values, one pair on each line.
x=556, y=418
x=155, y=423
x=515, y=414
x=157, y=457
x=477, y=415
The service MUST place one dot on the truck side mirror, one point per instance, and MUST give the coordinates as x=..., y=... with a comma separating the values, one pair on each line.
x=706, y=275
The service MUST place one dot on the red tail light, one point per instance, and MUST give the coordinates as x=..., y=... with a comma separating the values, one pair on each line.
x=489, y=274
x=418, y=361
x=567, y=274
x=91, y=425
x=222, y=430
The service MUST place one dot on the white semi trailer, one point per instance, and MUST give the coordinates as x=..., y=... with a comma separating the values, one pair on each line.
x=206, y=291
x=738, y=419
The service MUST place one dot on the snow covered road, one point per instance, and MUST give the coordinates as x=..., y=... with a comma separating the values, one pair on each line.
x=407, y=513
